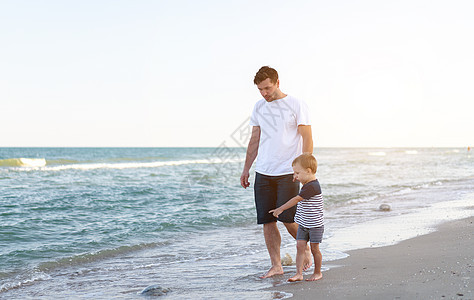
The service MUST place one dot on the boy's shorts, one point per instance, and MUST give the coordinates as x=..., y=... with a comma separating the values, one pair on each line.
x=272, y=192
x=313, y=235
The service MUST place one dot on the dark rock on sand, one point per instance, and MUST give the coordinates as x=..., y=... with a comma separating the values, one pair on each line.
x=154, y=290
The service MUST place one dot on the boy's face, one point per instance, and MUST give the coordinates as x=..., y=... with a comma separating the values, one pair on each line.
x=301, y=174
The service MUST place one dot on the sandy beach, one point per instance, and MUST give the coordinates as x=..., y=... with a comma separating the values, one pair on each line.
x=438, y=265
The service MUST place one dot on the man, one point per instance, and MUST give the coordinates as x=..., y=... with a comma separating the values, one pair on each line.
x=281, y=131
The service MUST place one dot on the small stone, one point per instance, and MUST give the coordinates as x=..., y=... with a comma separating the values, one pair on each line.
x=384, y=207
x=154, y=290
x=287, y=260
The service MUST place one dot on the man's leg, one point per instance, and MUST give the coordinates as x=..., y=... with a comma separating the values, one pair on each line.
x=265, y=200
x=273, y=242
x=292, y=228
x=308, y=258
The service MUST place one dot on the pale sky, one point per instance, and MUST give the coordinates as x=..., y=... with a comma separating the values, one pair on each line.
x=180, y=73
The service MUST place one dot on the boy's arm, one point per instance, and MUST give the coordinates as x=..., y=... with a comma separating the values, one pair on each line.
x=292, y=202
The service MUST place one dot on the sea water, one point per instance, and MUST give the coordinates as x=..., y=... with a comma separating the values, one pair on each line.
x=106, y=223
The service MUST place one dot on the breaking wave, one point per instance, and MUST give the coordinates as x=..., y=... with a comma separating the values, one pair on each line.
x=42, y=164
x=23, y=162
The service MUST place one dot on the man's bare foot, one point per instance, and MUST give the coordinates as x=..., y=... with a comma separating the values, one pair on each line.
x=297, y=277
x=308, y=260
x=315, y=277
x=272, y=272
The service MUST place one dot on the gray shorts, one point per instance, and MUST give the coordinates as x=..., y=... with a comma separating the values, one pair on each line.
x=314, y=235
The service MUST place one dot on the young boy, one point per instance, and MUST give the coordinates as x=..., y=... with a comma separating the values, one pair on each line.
x=309, y=215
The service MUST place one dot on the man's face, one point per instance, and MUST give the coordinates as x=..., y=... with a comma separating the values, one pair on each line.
x=268, y=89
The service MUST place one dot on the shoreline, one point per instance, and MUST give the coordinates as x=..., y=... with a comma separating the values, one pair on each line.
x=437, y=265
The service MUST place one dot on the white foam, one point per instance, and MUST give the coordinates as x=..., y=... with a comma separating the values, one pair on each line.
x=379, y=153
x=33, y=162
x=37, y=276
x=391, y=230
x=23, y=162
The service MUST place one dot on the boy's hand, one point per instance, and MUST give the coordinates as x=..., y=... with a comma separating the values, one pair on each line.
x=276, y=212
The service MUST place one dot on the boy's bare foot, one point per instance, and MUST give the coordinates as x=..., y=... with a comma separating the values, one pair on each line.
x=308, y=260
x=315, y=277
x=272, y=272
x=296, y=278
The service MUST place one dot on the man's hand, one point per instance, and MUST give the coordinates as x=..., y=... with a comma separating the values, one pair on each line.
x=244, y=179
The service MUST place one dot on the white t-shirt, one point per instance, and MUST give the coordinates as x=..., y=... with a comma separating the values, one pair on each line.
x=280, y=142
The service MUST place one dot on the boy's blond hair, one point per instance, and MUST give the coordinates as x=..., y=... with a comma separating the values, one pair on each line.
x=307, y=161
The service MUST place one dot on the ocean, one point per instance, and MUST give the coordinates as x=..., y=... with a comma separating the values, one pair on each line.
x=105, y=223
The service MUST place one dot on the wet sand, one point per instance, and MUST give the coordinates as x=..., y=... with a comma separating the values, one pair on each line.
x=438, y=265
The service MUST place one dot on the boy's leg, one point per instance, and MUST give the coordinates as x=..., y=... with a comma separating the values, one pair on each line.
x=300, y=256
x=318, y=259
x=287, y=189
x=308, y=260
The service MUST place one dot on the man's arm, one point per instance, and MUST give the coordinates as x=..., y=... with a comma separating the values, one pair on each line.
x=307, y=135
x=252, y=151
